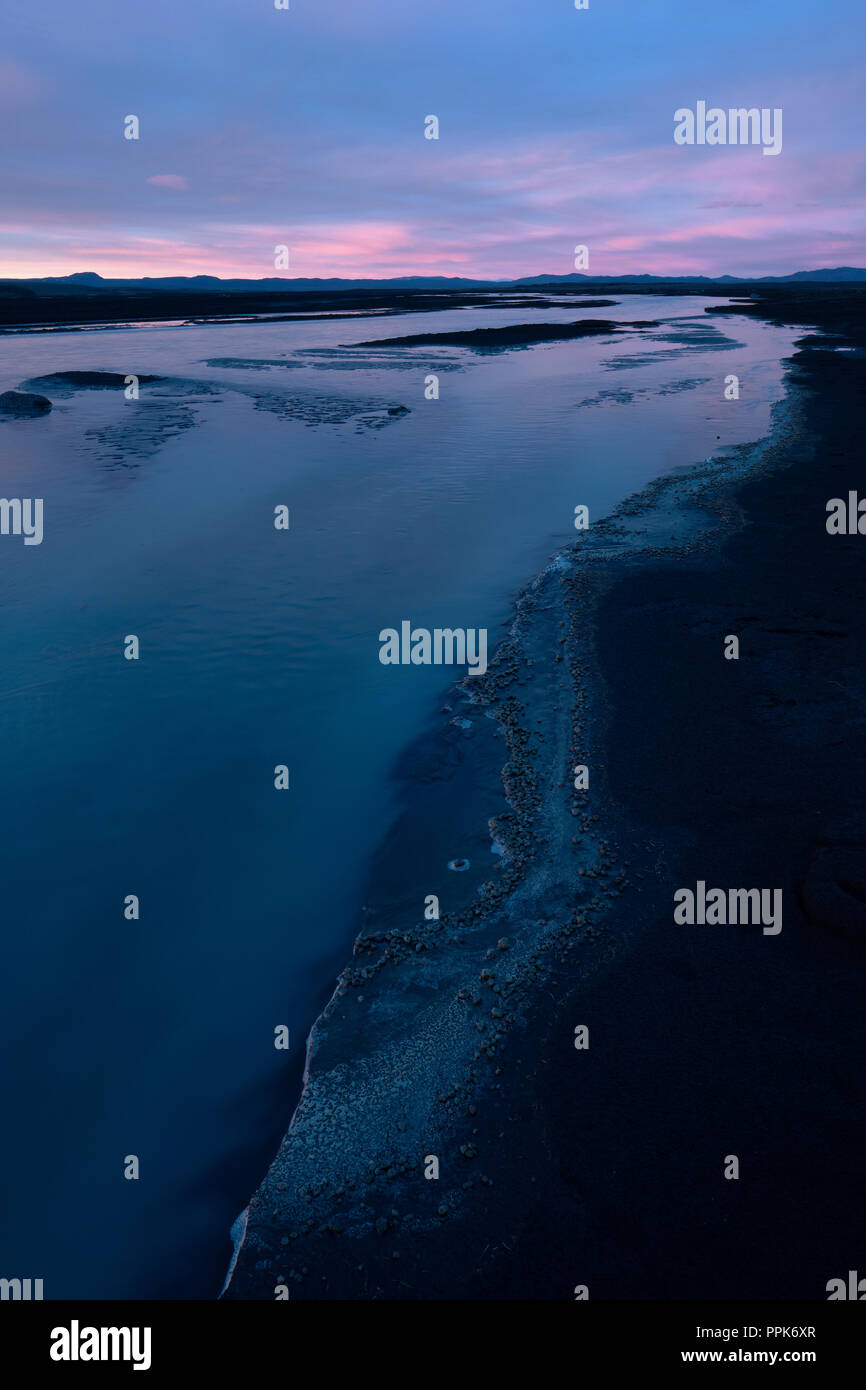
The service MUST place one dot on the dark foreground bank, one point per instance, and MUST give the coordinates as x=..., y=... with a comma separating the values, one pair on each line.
x=600, y=1170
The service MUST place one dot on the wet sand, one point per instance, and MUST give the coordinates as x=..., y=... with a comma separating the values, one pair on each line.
x=455, y=1038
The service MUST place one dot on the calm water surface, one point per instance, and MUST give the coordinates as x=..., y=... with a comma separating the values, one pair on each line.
x=155, y=1037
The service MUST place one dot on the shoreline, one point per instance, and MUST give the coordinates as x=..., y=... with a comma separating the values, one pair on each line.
x=23, y=310
x=353, y=1155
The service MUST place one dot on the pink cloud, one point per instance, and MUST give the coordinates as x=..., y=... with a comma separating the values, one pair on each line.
x=487, y=213
x=18, y=85
x=179, y=181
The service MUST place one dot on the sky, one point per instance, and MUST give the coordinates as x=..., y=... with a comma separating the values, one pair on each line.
x=305, y=128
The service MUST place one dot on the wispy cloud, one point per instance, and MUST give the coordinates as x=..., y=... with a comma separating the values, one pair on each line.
x=178, y=181
x=556, y=129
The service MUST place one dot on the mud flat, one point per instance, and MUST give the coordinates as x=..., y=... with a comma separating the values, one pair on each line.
x=603, y=1166
x=512, y=335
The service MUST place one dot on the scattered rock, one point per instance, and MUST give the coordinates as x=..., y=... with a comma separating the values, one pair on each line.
x=25, y=404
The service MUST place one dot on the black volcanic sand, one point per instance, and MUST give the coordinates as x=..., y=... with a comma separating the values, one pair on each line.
x=512, y=335
x=605, y=1167
x=66, y=383
x=43, y=307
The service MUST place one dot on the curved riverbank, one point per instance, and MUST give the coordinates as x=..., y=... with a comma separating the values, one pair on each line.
x=454, y=1038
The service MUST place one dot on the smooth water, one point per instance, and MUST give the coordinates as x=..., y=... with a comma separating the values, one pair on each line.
x=259, y=647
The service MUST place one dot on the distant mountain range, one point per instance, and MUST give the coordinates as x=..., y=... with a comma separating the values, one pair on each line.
x=88, y=280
